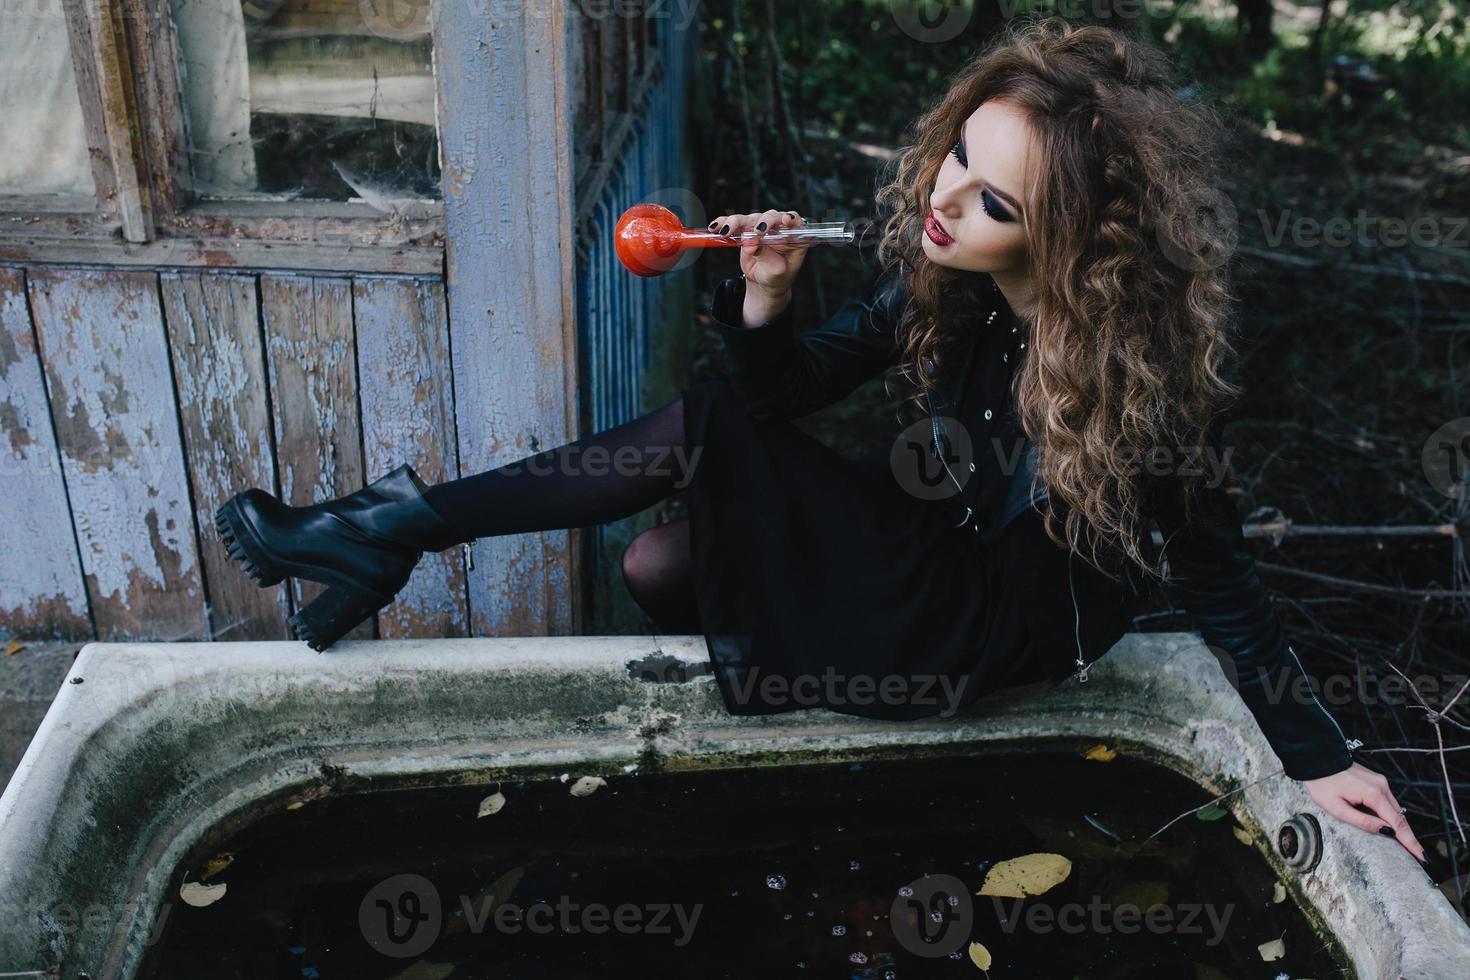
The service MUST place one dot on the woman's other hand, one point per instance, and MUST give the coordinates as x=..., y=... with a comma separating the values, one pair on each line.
x=769, y=267
x=1338, y=793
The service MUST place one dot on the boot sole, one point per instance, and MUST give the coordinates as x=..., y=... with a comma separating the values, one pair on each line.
x=260, y=563
x=243, y=546
x=324, y=620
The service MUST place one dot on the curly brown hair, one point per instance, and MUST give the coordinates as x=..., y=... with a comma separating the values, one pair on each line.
x=1131, y=330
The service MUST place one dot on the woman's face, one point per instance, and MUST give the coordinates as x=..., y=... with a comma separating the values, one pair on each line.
x=978, y=198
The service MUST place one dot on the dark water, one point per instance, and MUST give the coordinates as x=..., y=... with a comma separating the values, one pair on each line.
x=744, y=873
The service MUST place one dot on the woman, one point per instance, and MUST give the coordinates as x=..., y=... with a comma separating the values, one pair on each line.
x=1039, y=288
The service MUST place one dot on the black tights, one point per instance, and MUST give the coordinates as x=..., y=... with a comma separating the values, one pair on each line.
x=600, y=478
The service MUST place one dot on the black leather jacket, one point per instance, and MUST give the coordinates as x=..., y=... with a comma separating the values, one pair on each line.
x=780, y=373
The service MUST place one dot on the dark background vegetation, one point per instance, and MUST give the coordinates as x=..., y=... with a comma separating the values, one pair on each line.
x=1352, y=356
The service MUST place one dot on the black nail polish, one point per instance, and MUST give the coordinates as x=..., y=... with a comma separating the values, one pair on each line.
x=761, y=226
x=725, y=230
x=1387, y=832
x=712, y=225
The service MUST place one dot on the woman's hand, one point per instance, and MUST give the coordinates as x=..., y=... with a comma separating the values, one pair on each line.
x=772, y=267
x=1358, y=784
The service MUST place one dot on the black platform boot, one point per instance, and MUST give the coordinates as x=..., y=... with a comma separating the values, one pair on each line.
x=362, y=546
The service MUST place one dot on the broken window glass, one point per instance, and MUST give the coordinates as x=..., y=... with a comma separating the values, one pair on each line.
x=329, y=100
x=43, y=142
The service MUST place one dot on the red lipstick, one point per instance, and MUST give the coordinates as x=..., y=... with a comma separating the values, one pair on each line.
x=936, y=231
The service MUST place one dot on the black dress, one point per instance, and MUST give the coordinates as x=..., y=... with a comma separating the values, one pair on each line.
x=822, y=582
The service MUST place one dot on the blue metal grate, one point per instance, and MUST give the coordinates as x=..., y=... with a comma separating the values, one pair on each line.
x=617, y=311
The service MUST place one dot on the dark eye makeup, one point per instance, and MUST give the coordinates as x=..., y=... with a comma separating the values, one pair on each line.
x=988, y=202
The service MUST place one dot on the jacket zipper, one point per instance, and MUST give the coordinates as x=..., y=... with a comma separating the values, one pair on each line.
x=934, y=421
x=1082, y=665
x=1353, y=743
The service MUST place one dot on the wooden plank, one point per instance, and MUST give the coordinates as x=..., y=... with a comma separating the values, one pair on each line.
x=313, y=367
x=78, y=243
x=42, y=595
x=104, y=85
x=124, y=134
x=105, y=352
x=219, y=372
x=408, y=417
x=510, y=257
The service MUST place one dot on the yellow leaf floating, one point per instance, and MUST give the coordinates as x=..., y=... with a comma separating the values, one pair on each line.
x=1027, y=875
x=1243, y=835
x=12, y=648
x=980, y=956
x=1100, y=753
x=218, y=863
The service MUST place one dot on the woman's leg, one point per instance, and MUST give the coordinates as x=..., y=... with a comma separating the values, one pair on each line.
x=659, y=573
x=364, y=546
x=602, y=477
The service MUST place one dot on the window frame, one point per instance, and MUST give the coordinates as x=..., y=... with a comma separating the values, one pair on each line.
x=123, y=55
x=118, y=204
